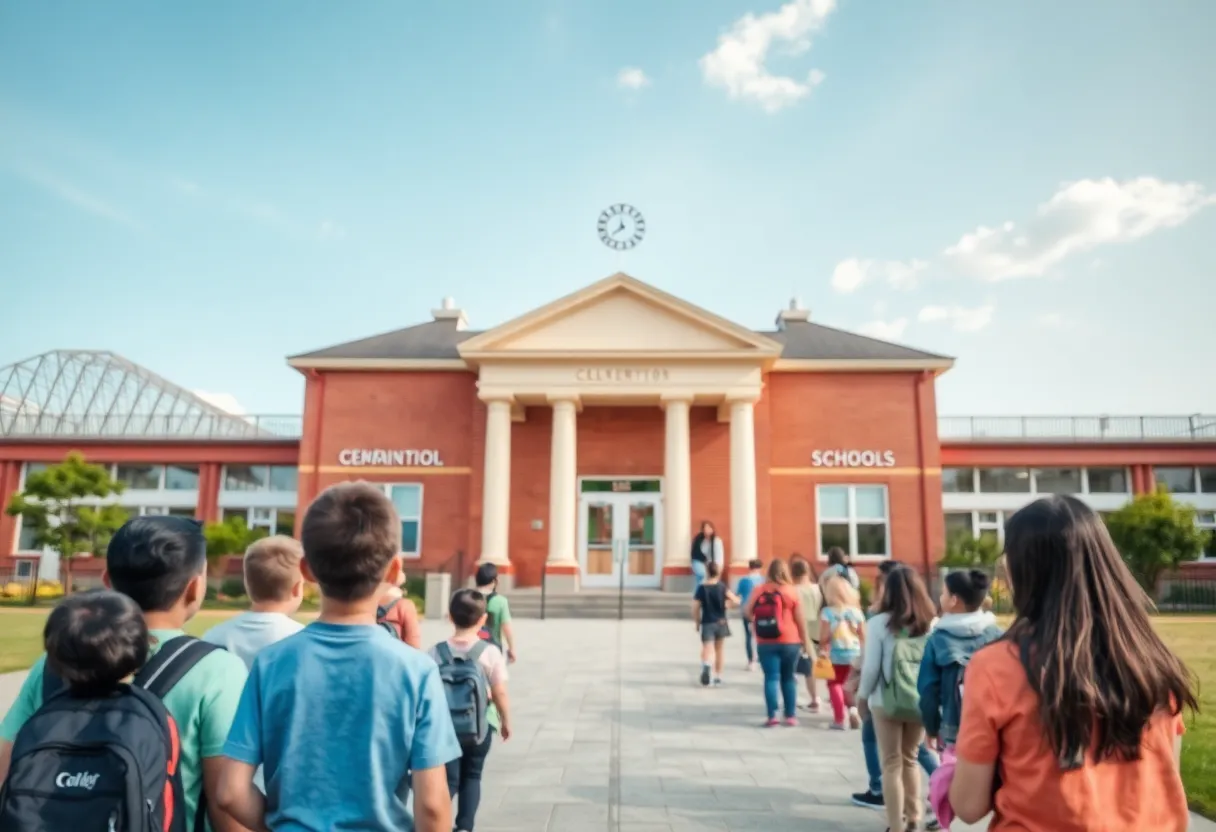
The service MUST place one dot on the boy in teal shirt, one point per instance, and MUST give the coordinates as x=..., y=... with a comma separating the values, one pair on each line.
x=160, y=562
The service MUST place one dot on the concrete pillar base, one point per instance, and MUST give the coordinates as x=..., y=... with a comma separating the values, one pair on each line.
x=438, y=593
x=678, y=583
x=560, y=578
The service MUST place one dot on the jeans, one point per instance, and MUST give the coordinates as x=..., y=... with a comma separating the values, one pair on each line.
x=779, y=662
x=869, y=747
x=698, y=575
x=749, y=641
x=464, y=780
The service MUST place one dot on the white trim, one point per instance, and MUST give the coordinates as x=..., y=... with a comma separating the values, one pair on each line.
x=411, y=364
x=852, y=521
x=1209, y=525
x=860, y=365
x=388, y=492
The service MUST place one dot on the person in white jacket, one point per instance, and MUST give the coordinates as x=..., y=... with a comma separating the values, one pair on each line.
x=906, y=612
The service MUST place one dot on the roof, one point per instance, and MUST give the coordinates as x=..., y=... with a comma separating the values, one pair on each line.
x=439, y=340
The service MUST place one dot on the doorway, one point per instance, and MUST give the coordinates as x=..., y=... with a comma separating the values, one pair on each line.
x=620, y=532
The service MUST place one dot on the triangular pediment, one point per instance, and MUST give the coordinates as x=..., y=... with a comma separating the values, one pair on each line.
x=619, y=315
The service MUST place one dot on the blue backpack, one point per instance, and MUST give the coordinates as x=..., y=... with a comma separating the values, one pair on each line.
x=468, y=692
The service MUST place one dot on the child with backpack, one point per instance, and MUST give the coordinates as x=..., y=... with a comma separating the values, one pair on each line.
x=497, y=629
x=747, y=584
x=775, y=611
x=709, y=606
x=895, y=645
x=841, y=636
x=398, y=615
x=474, y=673
x=345, y=719
x=160, y=563
x=1080, y=706
x=275, y=585
x=963, y=629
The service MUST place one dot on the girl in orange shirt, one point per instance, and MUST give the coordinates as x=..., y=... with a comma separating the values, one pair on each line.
x=1072, y=721
x=775, y=612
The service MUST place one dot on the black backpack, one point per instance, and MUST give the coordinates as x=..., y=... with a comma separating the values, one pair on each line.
x=109, y=763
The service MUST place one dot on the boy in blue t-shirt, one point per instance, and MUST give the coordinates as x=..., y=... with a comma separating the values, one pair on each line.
x=747, y=583
x=343, y=717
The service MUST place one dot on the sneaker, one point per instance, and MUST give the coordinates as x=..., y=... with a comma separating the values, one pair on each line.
x=717, y=681
x=813, y=707
x=791, y=722
x=868, y=799
x=773, y=722
x=705, y=675
x=932, y=824
x=837, y=726
x=854, y=719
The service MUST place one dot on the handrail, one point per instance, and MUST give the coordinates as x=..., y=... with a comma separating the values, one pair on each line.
x=1196, y=427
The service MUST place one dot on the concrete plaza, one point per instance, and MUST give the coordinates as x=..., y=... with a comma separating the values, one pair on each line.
x=612, y=731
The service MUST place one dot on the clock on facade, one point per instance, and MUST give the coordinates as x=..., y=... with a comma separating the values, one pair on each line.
x=621, y=226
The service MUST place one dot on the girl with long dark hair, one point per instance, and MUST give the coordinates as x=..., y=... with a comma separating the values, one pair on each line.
x=707, y=548
x=1079, y=708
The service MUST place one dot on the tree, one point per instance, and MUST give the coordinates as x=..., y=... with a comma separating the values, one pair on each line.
x=966, y=552
x=1155, y=535
x=61, y=506
x=231, y=537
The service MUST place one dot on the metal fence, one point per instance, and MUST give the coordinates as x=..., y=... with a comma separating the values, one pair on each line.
x=1183, y=595
x=1089, y=428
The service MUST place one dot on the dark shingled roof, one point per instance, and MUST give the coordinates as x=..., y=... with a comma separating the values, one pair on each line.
x=802, y=340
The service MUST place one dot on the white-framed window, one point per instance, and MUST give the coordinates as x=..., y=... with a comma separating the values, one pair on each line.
x=854, y=517
x=1207, y=520
x=985, y=524
x=1180, y=480
x=25, y=538
x=25, y=570
x=407, y=499
x=142, y=476
x=1041, y=480
x=1106, y=480
x=271, y=520
x=279, y=478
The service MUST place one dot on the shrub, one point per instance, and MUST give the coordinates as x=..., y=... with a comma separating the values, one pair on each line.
x=233, y=588
x=966, y=552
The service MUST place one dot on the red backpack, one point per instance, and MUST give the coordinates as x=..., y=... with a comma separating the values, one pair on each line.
x=768, y=612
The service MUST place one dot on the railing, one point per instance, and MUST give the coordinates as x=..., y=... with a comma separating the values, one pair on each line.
x=1082, y=428
x=151, y=426
x=1186, y=595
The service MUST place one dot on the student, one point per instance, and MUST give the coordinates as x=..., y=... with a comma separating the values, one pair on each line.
x=498, y=611
x=841, y=635
x=838, y=564
x=1080, y=705
x=812, y=605
x=707, y=548
x=709, y=606
x=747, y=583
x=94, y=640
x=160, y=563
x=775, y=611
x=339, y=713
x=275, y=585
x=963, y=629
x=398, y=613
x=467, y=611
x=895, y=640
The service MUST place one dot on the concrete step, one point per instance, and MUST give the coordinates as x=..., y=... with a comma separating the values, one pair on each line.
x=601, y=604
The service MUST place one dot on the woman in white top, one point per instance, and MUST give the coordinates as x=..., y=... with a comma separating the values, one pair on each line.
x=707, y=548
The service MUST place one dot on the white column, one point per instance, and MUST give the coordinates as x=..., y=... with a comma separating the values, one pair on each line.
x=677, y=485
x=563, y=484
x=743, y=544
x=496, y=490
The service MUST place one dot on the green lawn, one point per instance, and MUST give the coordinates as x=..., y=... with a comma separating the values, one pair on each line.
x=21, y=637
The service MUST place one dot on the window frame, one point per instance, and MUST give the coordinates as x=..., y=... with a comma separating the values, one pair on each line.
x=1209, y=526
x=1035, y=471
x=1127, y=479
x=1194, y=477
x=266, y=489
x=853, y=520
x=24, y=564
x=388, y=492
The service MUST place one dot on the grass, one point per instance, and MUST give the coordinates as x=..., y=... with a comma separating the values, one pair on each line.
x=1191, y=638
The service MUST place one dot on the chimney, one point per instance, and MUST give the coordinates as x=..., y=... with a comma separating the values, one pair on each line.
x=448, y=311
x=795, y=314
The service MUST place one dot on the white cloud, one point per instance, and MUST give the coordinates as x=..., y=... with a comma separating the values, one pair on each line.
x=849, y=275
x=738, y=64
x=884, y=330
x=1080, y=216
x=960, y=318
x=632, y=78
x=330, y=230
x=74, y=196
x=224, y=401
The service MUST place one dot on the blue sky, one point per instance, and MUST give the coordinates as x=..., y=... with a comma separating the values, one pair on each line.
x=208, y=188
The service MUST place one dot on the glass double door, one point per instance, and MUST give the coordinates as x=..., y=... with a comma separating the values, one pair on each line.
x=619, y=536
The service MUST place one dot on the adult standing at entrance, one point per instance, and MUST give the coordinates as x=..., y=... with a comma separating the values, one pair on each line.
x=707, y=548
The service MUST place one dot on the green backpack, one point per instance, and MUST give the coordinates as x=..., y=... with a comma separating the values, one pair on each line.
x=900, y=696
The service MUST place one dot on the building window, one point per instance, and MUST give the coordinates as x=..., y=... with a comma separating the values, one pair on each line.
x=1207, y=520
x=181, y=512
x=26, y=539
x=35, y=468
x=1176, y=480
x=1207, y=480
x=284, y=477
x=959, y=523
x=143, y=477
x=281, y=478
x=25, y=570
x=958, y=480
x=1005, y=480
x=147, y=511
x=407, y=499
x=181, y=477
x=855, y=518
x=1057, y=480
x=1106, y=480
x=988, y=525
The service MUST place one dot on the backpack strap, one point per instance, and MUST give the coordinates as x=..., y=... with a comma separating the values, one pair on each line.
x=172, y=661
x=476, y=650
x=445, y=653
x=383, y=610
x=51, y=683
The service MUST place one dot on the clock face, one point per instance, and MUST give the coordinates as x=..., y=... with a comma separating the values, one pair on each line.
x=621, y=226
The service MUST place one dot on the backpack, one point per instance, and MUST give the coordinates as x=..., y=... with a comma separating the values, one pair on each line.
x=468, y=692
x=78, y=762
x=486, y=633
x=382, y=612
x=767, y=613
x=900, y=696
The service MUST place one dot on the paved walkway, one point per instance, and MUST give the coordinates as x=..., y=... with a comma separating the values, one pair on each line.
x=612, y=731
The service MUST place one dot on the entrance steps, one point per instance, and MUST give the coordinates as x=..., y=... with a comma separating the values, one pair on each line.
x=601, y=603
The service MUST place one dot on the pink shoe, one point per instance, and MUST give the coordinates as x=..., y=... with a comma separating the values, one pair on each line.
x=772, y=723
x=791, y=722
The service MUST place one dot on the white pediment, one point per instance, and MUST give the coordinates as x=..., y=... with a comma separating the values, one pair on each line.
x=619, y=315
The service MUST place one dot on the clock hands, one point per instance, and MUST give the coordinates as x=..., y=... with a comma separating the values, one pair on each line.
x=619, y=229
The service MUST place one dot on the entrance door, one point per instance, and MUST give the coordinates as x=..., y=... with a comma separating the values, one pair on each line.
x=620, y=533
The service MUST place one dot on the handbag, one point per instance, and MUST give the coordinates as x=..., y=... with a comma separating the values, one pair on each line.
x=823, y=668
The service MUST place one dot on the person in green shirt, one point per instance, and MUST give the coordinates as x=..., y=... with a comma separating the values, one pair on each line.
x=160, y=562
x=498, y=611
